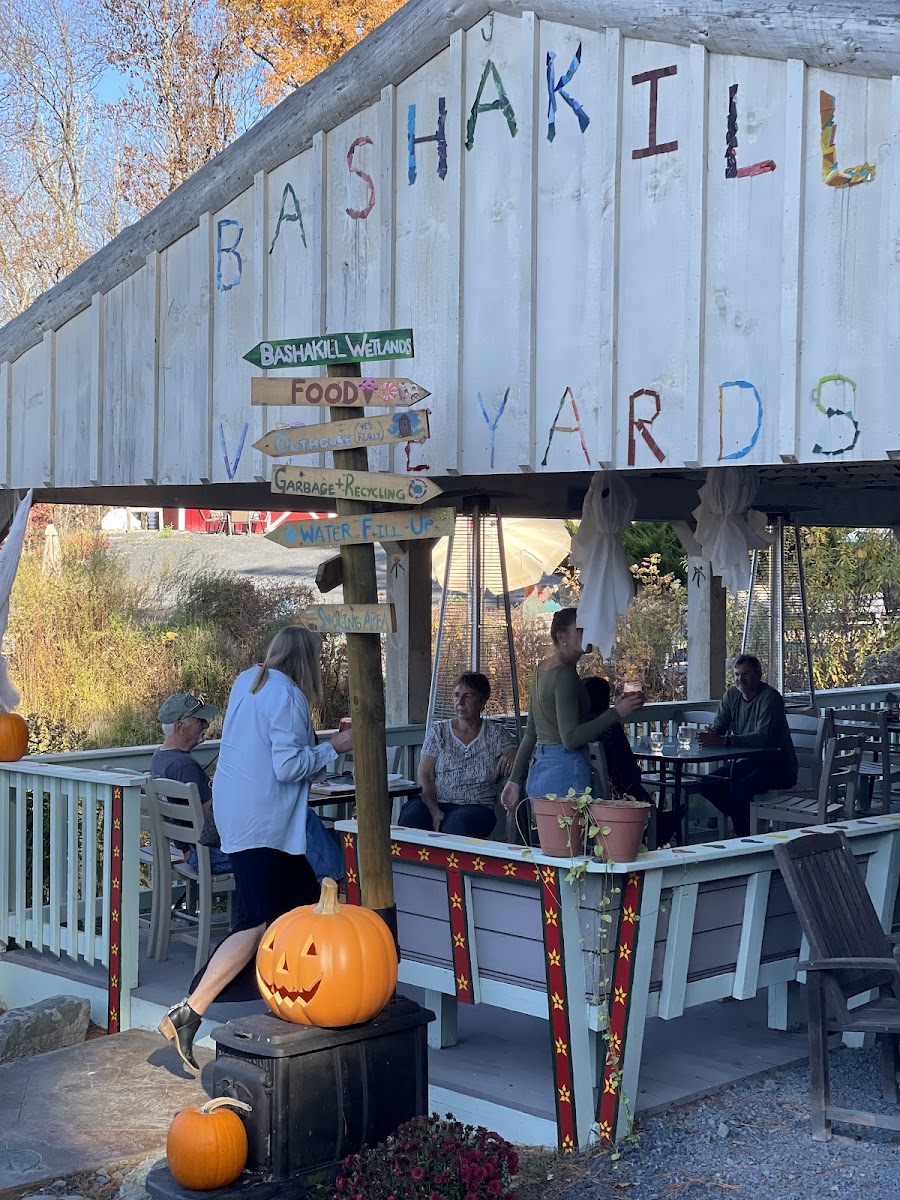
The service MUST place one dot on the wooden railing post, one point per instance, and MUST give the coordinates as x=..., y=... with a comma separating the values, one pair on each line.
x=367, y=707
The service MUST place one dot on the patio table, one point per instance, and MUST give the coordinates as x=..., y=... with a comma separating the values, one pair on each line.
x=342, y=790
x=671, y=755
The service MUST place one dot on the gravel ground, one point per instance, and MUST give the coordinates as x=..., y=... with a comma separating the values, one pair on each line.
x=751, y=1139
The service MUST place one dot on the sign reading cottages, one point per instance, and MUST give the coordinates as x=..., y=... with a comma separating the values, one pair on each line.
x=333, y=348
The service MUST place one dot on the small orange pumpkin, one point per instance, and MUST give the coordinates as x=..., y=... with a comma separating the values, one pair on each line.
x=327, y=964
x=206, y=1146
x=13, y=737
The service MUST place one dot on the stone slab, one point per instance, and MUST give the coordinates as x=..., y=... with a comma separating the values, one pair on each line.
x=50, y=1024
x=81, y=1108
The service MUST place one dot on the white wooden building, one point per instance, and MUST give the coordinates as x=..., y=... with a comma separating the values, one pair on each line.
x=623, y=235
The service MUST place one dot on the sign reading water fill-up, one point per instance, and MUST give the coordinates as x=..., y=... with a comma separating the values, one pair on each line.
x=364, y=530
x=333, y=348
x=346, y=435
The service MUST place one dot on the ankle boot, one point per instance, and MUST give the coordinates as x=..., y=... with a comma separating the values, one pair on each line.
x=179, y=1026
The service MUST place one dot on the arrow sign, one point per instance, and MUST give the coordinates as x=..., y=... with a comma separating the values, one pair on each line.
x=363, y=530
x=333, y=348
x=377, y=488
x=377, y=393
x=351, y=618
x=346, y=435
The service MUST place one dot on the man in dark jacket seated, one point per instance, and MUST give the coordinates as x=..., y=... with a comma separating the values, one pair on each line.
x=750, y=714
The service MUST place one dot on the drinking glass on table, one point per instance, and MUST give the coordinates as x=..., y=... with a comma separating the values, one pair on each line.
x=657, y=741
x=685, y=737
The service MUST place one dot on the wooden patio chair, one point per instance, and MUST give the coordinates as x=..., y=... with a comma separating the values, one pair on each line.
x=881, y=758
x=176, y=813
x=835, y=797
x=849, y=954
x=808, y=736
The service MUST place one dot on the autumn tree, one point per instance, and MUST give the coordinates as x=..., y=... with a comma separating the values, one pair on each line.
x=187, y=92
x=297, y=39
x=57, y=197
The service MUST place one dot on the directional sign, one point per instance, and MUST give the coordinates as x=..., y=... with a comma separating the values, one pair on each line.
x=376, y=393
x=351, y=618
x=377, y=488
x=346, y=435
x=373, y=527
x=333, y=348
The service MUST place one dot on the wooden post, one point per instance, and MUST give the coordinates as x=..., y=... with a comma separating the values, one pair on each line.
x=373, y=806
x=706, y=632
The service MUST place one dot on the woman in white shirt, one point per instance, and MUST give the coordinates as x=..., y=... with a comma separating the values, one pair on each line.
x=268, y=759
x=459, y=766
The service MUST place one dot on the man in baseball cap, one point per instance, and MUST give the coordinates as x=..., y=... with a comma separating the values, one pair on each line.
x=184, y=721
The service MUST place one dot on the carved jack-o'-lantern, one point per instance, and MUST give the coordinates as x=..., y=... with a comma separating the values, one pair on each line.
x=327, y=964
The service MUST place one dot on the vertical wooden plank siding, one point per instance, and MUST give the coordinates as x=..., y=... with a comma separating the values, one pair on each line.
x=468, y=914
x=351, y=866
x=527, y=248
x=678, y=951
x=892, y=275
x=70, y=943
x=34, y=926
x=456, y=221
x=607, y=333
x=204, y=366
x=559, y=1008
x=753, y=924
x=89, y=869
x=794, y=184
x=5, y=417
x=581, y=1062
x=628, y=1004
x=692, y=451
x=112, y=912
x=259, y=461
x=319, y=236
x=49, y=349
x=149, y=452
x=57, y=866
x=95, y=414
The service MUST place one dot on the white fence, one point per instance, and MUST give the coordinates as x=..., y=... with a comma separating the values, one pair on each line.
x=69, y=874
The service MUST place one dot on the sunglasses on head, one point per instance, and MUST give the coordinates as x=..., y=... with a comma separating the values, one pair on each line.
x=197, y=705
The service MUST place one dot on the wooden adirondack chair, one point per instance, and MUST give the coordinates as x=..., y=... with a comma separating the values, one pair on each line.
x=849, y=953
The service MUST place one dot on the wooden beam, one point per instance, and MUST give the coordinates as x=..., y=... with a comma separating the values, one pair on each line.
x=373, y=804
x=854, y=36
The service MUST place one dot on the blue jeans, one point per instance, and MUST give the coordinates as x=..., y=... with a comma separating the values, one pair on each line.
x=554, y=770
x=464, y=820
x=219, y=863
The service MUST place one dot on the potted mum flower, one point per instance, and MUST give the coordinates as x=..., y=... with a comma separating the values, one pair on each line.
x=431, y=1158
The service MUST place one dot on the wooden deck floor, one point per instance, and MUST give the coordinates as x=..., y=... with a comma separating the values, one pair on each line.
x=503, y=1059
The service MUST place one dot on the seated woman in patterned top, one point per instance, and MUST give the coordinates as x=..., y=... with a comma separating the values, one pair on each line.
x=461, y=761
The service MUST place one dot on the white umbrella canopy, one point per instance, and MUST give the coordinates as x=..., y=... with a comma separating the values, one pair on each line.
x=533, y=548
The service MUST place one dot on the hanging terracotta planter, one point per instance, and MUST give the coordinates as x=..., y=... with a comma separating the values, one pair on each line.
x=560, y=826
x=621, y=827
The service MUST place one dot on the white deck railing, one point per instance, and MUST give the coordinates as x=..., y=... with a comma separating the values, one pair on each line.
x=69, y=874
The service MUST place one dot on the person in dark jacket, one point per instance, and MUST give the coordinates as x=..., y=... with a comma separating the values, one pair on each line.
x=750, y=714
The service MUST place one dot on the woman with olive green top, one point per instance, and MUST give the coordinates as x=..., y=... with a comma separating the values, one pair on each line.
x=558, y=733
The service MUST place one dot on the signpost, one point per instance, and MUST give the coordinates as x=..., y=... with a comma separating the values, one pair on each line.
x=366, y=529
x=333, y=348
x=361, y=431
x=326, y=484
x=376, y=393
x=351, y=618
